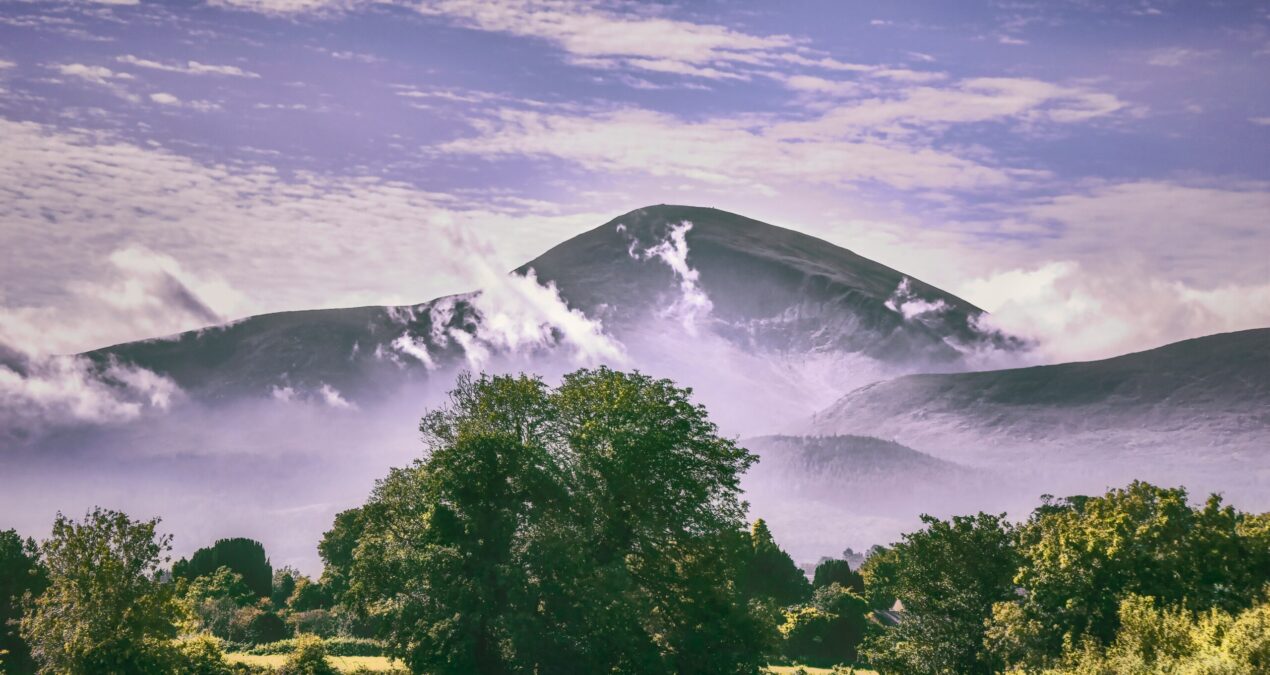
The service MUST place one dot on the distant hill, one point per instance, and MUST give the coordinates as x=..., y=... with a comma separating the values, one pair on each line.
x=836, y=466
x=1204, y=394
x=825, y=493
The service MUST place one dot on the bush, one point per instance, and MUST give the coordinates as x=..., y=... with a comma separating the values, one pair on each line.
x=339, y=646
x=319, y=622
x=202, y=655
x=256, y=626
x=309, y=658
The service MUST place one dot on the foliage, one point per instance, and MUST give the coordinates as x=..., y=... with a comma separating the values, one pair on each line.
x=309, y=658
x=103, y=611
x=20, y=573
x=202, y=655
x=253, y=625
x=880, y=573
x=1153, y=640
x=589, y=528
x=1083, y=557
x=828, y=630
x=769, y=572
x=948, y=576
x=831, y=571
x=244, y=556
x=308, y=595
x=319, y=622
x=283, y=586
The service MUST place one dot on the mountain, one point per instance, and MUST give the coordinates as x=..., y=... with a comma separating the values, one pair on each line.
x=762, y=288
x=1206, y=397
x=770, y=287
x=823, y=493
x=832, y=467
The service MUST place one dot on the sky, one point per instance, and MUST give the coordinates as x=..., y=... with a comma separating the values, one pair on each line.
x=1096, y=174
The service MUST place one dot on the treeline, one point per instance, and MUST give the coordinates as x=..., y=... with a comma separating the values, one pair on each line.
x=597, y=527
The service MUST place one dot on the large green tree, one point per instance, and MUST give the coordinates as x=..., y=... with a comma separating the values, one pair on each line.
x=104, y=610
x=20, y=573
x=947, y=576
x=586, y=528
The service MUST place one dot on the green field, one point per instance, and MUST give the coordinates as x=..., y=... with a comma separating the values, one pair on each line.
x=346, y=664
x=790, y=670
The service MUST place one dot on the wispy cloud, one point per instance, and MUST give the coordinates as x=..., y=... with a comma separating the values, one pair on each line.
x=189, y=67
x=884, y=140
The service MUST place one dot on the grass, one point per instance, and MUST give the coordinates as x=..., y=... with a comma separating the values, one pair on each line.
x=790, y=670
x=346, y=664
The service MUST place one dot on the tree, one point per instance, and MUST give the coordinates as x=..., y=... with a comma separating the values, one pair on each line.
x=104, y=610
x=828, y=630
x=308, y=595
x=880, y=575
x=283, y=585
x=770, y=572
x=948, y=576
x=215, y=599
x=441, y=554
x=831, y=571
x=20, y=574
x=244, y=556
x=1083, y=556
x=337, y=548
x=588, y=528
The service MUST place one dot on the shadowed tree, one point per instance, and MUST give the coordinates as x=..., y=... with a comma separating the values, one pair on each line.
x=244, y=556
x=20, y=573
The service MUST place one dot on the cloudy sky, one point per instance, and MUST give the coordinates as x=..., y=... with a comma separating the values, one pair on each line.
x=1096, y=173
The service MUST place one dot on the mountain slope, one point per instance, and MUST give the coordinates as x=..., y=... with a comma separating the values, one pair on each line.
x=769, y=290
x=1213, y=390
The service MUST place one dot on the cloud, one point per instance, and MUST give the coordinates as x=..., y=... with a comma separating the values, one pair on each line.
x=1172, y=57
x=596, y=36
x=1260, y=121
x=42, y=388
x=141, y=293
x=516, y=314
x=189, y=67
x=95, y=74
x=693, y=304
x=1204, y=235
x=1077, y=313
x=70, y=198
x=170, y=100
x=38, y=392
x=905, y=303
x=878, y=140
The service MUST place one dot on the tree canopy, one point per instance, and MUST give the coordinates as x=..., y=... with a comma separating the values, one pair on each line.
x=586, y=528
